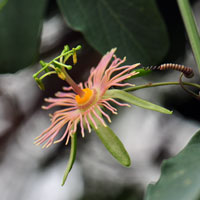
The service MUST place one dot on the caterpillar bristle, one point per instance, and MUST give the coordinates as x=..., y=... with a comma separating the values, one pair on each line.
x=152, y=68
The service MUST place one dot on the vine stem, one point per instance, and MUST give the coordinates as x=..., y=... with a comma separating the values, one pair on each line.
x=191, y=28
x=160, y=84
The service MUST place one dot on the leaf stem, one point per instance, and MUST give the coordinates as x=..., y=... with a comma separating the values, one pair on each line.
x=191, y=28
x=148, y=85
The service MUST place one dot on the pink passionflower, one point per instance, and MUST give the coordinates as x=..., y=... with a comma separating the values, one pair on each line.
x=85, y=103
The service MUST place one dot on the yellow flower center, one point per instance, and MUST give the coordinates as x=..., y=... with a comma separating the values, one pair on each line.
x=88, y=93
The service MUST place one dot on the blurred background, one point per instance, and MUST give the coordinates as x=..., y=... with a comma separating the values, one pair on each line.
x=30, y=172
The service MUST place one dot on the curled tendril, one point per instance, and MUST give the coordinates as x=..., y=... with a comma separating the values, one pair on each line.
x=57, y=65
x=197, y=96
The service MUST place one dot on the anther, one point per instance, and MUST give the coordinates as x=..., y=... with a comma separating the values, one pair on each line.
x=74, y=56
x=39, y=83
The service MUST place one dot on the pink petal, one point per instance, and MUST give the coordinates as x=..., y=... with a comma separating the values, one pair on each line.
x=99, y=71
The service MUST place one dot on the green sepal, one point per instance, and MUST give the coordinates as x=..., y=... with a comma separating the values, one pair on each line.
x=112, y=144
x=141, y=72
x=71, y=157
x=129, y=98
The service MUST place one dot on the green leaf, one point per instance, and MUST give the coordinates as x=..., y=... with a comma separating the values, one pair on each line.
x=180, y=177
x=2, y=3
x=71, y=157
x=113, y=144
x=125, y=96
x=135, y=27
x=21, y=23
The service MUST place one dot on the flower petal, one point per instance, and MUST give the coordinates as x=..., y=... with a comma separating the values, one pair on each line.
x=100, y=69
